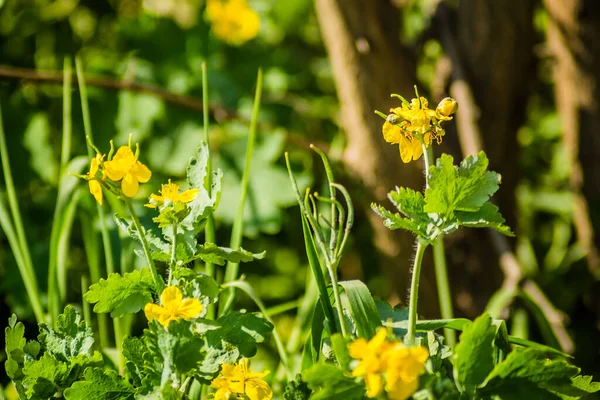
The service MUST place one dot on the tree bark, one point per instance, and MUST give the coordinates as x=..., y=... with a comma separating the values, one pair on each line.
x=369, y=63
x=573, y=38
x=490, y=46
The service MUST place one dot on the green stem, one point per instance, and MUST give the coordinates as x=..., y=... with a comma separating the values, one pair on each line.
x=441, y=269
x=232, y=269
x=87, y=128
x=173, y=249
x=158, y=281
x=443, y=287
x=19, y=244
x=30, y=284
x=210, y=222
x=87, y=313
x=414, y=294
x=338, y=301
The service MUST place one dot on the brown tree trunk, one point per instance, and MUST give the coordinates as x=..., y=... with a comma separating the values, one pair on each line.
x=490, y=44
x=573, y=38
x=369, y=64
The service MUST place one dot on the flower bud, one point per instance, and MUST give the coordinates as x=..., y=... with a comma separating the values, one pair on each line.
x=447, y=107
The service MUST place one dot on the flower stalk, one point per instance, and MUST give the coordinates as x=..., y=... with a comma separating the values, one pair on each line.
x=158, y=281
x=414, y=293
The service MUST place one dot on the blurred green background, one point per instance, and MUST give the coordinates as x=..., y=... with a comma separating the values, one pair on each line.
x=531, y=68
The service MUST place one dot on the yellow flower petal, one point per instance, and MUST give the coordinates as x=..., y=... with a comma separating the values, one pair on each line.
x=374, y=384
x=392, y=133
x=447, y=107
x=124, y=154
x=113, y=172
x=257, y=389
x=96, y=190
x=358, y=349
x=171, y=297
x=129, y=185
x=141, y=172
x=189, y=309
x=188, y=195
x=406, y=150
x=153, y=311
x=403, y=391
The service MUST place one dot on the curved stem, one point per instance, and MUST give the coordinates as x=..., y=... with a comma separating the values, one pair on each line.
x=414, y=294
x=160, y=285
x=336, y=295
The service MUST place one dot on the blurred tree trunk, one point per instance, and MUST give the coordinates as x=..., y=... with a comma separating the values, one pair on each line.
x=369, y=63
x=493, y=48
x=494, y=41
x=573, y=37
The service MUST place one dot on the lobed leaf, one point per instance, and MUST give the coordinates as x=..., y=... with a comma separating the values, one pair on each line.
x=473, y=355
x=122, y=294
x=100, y=384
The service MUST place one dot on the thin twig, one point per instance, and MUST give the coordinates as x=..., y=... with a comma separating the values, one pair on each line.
x=188, y=102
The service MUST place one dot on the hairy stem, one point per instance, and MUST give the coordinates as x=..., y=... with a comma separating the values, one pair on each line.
x=414, y=294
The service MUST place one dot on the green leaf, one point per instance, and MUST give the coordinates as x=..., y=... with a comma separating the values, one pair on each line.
x=44, y=377
x=101, y=385
x=340, y=349
x=473, y=355
x=181, y=349
x=519, y=390
x=231, y=336
x=576, y=388
x=395, y=221
x=133, y=352
x=159, y=249
x=198, y=178
x=487, y=216
x=410, y=203
x=211, y=253
x=71, y=336
x=122, y=294
x=329, y=382
x=362, y=308
x=263, y=206
x=297, y=389
x=466, y=188
x=37, y=139
x=195, y=284
x=15, y=342
x=532, y=365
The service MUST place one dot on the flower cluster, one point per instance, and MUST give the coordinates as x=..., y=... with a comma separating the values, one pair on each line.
x=169, y=195
x=238, y=379
x=233, y=21
x=123, y=173
x=414, y=124
x=388, y=365
x=173, y=307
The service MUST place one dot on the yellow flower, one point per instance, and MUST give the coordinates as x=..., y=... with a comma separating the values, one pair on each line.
x=233, y=21
x=238, y=379
x=169, y=194
x=126, y=166
x=373, y=360
x=404, y=367
x=95, y=186
x=447, y=107
x=414, y=124
x=381, y=359
x=173, y=307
